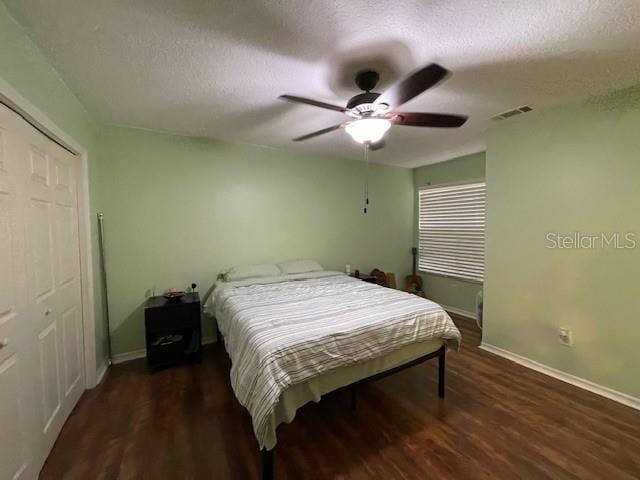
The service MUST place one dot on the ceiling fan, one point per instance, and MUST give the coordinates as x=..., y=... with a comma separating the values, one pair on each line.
x=372, y=114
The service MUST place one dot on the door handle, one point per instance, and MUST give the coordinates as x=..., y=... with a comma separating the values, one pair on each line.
x=4, y=342
x=48, y=312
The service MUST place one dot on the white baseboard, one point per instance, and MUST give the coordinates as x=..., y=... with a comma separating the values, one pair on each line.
x=102, y=371
x=459, y=311
x=135, y=354
x=127, y=356
x=606, y=392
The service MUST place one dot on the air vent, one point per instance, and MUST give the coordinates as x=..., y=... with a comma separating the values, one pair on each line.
x=512, y=113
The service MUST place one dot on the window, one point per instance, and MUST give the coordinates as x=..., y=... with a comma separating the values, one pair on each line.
x=451, y=230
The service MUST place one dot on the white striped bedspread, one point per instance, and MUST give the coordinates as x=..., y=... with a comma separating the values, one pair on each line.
x=279, y=334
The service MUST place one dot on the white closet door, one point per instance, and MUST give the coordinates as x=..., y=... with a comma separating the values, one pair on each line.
x=16, y=382
x=50, y=332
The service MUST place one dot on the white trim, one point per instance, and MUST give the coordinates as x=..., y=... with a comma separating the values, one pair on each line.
x=17, y=101
x=102, y=371
x=455, y=183
x=606, y=392
x=86, y=265
x=459, y=311
x=136, y=354
x=12, y=97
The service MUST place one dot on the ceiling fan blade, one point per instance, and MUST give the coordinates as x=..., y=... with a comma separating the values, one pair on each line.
x=413, y=85
x=309, y=101
x=319, y=132
x=380, y=144
x=438, y=120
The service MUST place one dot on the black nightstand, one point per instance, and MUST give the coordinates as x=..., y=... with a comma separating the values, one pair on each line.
x=173, y=330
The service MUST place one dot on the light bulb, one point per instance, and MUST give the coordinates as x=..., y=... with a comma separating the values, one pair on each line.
x=368, y=130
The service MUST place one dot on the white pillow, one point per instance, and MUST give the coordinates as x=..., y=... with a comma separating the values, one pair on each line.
x=252, y=271
x=300, y=266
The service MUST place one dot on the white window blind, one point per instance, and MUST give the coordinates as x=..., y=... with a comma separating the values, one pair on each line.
x=451, y=230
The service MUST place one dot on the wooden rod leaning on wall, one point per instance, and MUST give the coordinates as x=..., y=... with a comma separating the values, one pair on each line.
x=105, y=289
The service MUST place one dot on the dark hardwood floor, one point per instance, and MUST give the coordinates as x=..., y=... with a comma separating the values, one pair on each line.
x=499, y=421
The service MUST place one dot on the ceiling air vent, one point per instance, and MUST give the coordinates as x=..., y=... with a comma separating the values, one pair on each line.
x=512, y=113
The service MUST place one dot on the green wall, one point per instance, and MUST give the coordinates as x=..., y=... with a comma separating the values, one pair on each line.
x=179, y=210
x=575, y=169
x=451, y=292
x=24, y=67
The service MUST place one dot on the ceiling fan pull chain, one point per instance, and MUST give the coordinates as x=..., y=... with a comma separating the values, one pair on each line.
x=366, y=177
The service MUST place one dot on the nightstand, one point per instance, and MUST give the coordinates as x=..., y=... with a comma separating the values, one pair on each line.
x=173, y=330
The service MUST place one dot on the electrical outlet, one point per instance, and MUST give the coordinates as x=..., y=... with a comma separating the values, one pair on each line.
x=565, y=337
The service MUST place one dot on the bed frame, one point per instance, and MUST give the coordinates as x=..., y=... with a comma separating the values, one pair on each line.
x=267, y=455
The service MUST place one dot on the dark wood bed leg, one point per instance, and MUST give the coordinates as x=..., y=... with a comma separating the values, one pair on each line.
x=267, y=464
x=441, y=371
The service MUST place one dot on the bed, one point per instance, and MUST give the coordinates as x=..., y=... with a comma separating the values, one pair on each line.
x=293, y=338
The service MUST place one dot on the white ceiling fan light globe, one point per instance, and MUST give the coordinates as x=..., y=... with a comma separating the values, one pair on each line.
x=368, y=130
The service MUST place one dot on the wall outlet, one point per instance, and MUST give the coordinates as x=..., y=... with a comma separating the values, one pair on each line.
x=565, y=337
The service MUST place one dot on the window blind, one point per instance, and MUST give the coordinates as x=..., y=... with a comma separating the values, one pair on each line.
x=451, y=230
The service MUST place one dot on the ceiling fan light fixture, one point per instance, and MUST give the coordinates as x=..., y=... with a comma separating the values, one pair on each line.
x=368, y=130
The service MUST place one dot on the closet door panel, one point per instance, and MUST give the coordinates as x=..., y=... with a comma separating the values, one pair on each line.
x=6, y=252
x=15, y=381
x=67, y=271
x=41, y=248
x=41, y=368
x=13, y=463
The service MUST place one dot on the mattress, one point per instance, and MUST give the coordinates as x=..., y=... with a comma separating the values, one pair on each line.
x=291, y=340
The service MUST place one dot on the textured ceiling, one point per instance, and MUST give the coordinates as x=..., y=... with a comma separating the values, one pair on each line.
x=216, y=68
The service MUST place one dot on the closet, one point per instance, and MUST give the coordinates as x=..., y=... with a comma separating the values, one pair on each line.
x=41, y=347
